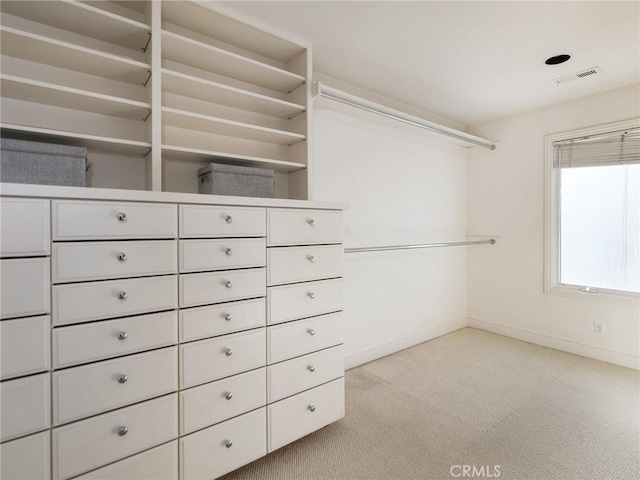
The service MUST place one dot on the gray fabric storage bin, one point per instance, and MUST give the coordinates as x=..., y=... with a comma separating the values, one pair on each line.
x=220, y=179
x=24, y=161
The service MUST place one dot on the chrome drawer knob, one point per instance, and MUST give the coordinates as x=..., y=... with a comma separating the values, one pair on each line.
x=122, y=217
x=228, y=284
x=228, y=352
x=311, y=258
x=122, y=295
x=311, y=368
x=311, y=331
x=228, y=252
x=228, y=218
x=228, y=395
x=123, y=379
x=312, y=408
x=122, y=257
x=122, y=431
x=227, y=317
x=123, y=335
x=311, y=222
x=311, y=295
x=228, y=443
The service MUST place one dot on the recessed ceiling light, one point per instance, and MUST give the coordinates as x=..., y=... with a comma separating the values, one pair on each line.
x=557, y=59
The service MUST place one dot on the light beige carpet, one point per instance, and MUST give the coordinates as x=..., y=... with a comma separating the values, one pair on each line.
x=478, y=399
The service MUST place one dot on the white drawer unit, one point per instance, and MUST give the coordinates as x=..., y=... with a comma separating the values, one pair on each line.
x=82, y=261
x=290, y=302
x=304, y=336
x=89, y=342
x=83, y=446
x=206, y=288
x=303, y=227
x=82, y=220
x=159, y=463
x=25, y=346
x=222, y=448
x=218, y=401
x=209, y=360
x=302, y=264
x=28, y=458
x=204, y=221
x=297, y=416
x=24, y=227
x=83, y=391
x=25, y=406
x=302, y=373
x=74, y=303
x=25, y=287
x=202, y=322
x=221, y=254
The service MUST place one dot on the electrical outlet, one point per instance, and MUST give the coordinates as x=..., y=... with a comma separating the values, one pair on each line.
x=598, y=327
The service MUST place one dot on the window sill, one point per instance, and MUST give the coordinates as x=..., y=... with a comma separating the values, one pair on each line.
x=605, y=296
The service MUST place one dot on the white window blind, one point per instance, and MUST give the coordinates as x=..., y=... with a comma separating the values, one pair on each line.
x=614, y=148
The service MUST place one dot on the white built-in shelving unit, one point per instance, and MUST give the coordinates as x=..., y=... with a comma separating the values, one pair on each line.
x=155, y=90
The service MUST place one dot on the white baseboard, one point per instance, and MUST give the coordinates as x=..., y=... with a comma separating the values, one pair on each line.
x=379, y=351
x=583, y=350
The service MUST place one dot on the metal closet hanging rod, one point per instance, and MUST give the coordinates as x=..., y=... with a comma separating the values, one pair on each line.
x=490, y=241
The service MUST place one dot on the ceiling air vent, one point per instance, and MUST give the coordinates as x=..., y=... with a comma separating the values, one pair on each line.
x=575, y=76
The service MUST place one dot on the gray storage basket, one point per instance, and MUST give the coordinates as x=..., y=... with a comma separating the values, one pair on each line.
x=220, y=179
x=39, y=163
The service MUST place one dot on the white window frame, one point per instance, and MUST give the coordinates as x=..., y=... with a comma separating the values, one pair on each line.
x=552, y=285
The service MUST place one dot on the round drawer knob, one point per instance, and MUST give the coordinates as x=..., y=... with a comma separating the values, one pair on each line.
x=311, y=368
x=122, y=257
x=122, y=295
x=311, y=258
x=228, y=252
x=228, y=284
x=228, y=218
x=312, y=408
x=122, y=217
x=123, y=335
x=311, y=331
x=228, y=395
x=123, y=379
x=122, y=431
x=228, y=352
x=228, y=443
x=311, y=295
x=227, y=317
x=311, y=222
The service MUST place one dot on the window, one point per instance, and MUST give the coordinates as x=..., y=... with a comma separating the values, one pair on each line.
x=593, y=213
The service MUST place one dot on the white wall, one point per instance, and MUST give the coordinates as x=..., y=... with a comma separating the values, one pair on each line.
x=401, y=188
x=506, y=199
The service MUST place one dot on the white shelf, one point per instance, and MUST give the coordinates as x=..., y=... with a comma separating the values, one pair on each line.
x=50, y=94
x=206, y=57
x=208, y=91
x=37, y=48
x=91, y=142
x=220, y=126
x=83, y=19
x=194, y=154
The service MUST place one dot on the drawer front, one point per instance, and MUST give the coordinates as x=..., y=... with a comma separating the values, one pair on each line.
x=304, y=336
x=24, y=346
x=80, y=220
x=301, y=264
x=303, y=227
x=25, y=287
x=203, y=221
x=202, y=322
x=297, y=416
x=77, y=262
x=25, y=406
x=24, y=227
x=203, y=288
x=218, y=401
x=83, y=446
x=113, y=338
x=83, y=391
x=159, y=463
x=294, y=376
x=225, y=254
x=290, y=302
x=220, y=449
x=209, y=360
x=26, y=459
x=97, y=300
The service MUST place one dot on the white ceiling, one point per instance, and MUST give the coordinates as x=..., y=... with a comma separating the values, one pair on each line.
x=467, y=61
